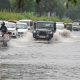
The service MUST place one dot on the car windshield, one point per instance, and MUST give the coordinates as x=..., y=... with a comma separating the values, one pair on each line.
x=21, y=26
x=75, y=23
x=60, y=25
x=45, y=25
x=27, y=22
x=8, y=25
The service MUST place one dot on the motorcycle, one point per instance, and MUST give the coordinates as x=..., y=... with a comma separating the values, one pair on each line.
x=4, y=39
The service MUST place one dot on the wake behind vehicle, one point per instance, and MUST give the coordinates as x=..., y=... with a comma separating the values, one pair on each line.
x=44, y=30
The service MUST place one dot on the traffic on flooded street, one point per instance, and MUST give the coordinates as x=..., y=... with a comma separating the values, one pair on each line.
x=27, y=58
x=39, y=39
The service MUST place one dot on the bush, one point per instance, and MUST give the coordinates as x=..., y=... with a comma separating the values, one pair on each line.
x=11, y=16
x=4, y=15
x=66, y=20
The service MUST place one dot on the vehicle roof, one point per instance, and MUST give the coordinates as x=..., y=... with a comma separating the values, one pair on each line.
x=59, y=22
x=14, y=21
x=45, y=21
x=3, y=21
x=6, y=22
x=25, y=20
x=21, y=23
x=67, y=23
x=77, y=20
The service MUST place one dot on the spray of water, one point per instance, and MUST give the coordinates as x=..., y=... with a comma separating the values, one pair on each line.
x=62, y=36
x=59, y=36
x=19, y=42
x=27, y=37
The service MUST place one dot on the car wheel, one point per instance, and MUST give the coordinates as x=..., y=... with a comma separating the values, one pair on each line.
x=49, y=38
x=36, y=38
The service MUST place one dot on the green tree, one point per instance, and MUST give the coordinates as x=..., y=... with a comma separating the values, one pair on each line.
x=51, y=6
x=4, y=4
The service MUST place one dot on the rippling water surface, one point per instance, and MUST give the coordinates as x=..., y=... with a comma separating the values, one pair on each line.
x=28, y=59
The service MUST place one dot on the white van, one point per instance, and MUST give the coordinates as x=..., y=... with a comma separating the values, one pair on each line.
x=28, y=22
x=22, y=28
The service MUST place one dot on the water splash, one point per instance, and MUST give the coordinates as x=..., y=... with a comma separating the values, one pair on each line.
x=27, y=37
x=59, y=36
x=19, y=42
x=62, y=36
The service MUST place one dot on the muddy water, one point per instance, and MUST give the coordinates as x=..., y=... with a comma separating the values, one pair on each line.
x=27, y=59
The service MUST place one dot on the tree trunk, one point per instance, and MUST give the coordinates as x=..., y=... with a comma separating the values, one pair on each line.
x=20, y=5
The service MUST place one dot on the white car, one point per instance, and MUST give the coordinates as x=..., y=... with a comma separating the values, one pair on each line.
x=22, y=28
x=28, y=22
x=60, y=25
x=12, y=28
x=76, y=26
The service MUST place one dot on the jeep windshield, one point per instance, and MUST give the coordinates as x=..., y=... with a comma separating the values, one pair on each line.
x=45, y=25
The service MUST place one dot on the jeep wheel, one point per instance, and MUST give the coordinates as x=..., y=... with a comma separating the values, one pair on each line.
x=36, y=38
x=49, y=38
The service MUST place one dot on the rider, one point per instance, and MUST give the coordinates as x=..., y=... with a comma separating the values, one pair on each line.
x=3, y=29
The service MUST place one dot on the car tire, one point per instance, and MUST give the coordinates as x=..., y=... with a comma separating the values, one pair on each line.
x=36, y=38
x=49, y=38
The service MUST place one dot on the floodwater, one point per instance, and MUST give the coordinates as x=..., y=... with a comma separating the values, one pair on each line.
x=28, y=59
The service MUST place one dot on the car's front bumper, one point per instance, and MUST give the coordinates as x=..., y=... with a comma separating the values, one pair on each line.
x=48, y=36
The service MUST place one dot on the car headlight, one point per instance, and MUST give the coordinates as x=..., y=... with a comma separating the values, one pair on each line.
x=34, y=31
x=51, y=32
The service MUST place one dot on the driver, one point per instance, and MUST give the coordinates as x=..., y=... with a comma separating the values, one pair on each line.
x=3, y=29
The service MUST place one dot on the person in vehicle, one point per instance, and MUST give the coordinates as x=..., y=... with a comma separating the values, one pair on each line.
x=3, y=29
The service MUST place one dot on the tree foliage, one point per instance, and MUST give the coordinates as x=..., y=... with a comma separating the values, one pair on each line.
x=43, y=7
x=38, y=1
x=4, y=4
x=73, y=2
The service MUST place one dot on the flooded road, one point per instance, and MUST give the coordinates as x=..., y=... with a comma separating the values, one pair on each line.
x=27, y=59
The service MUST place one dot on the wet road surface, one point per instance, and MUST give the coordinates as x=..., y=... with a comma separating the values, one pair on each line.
x=27, y=59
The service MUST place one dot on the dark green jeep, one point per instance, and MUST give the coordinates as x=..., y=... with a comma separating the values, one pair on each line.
x=44, y=30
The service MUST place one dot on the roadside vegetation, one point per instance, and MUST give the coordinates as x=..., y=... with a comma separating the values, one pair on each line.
x=4, y=15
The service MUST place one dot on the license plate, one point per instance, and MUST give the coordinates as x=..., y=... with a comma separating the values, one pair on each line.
x=42, y=36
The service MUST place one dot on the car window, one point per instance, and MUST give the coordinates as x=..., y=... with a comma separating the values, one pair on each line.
x=27, y=23
x=8, y=25
x=60, y=25
x=44, y=25
x=75, y=23
x=21, y=26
